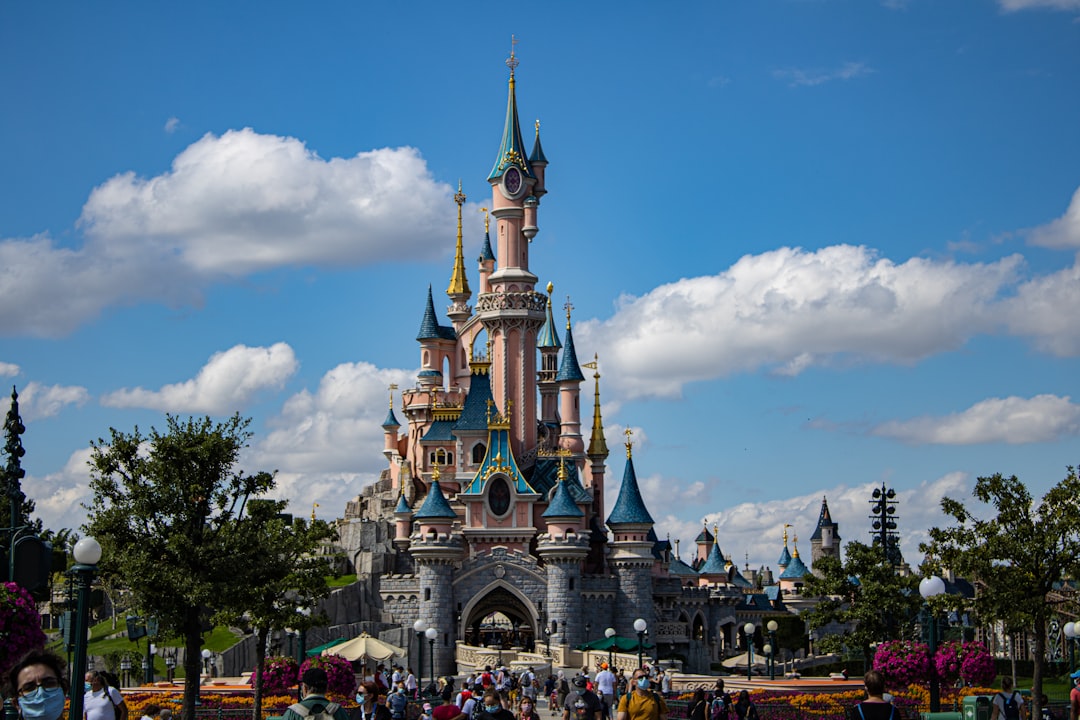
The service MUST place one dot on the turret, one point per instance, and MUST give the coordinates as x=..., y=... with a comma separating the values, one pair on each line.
x=548, y=343
x=570, y=378
x=598, y=449
x=631, y=557
x=390, y=429
x=437, y=343
x=486, y=261
x=539, y=163
x=714, y=570
x=704, y=542
x=458, y=291
x=825, y=542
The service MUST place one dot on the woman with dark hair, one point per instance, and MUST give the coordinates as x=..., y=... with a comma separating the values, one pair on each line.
x=102, y=702
x=875, y=706
x=367, y=697
x=698, y=706
x=38, y=681
x=744, y=707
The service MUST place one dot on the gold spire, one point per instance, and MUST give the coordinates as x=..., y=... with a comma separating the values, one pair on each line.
x=563, y=452
x=537, y=127
x=459, y=284
x=795, y=552
x=487, y=220
x=569, y=306
x=435, y=472
x=786, y=526
x=392, y=388
x=629, y=444
x=313, y=506
x=716, y=532
x=597, y=444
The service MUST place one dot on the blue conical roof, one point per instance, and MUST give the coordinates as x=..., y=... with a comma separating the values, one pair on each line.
x=629, y=507
x=795, y=570
x=785, y=558
x=485, y=249
x=569, y=369
x=548, y=337
x=512, y=147
x=537, y=154
x=714, y=563
x=825, y=520
x=402, y=505
x=704, y=536
x=562, y=505
x=435, y=504
x=430, y=329
x=391, y=420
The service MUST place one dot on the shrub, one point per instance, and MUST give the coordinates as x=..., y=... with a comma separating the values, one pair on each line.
x=339, y=673
x=20, y=626
x=903, y=662
x=280, y=675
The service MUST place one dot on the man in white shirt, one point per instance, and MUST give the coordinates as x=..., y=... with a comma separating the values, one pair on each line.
x=605, y=688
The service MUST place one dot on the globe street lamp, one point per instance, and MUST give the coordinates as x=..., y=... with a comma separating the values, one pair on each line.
x=640, y=626
x=432, y=633
x=748, y=628
x=1071, y=633
x=772, y=627
x=930, y=587
x=419, y=627
x=610, y=633
x=767, y=651
x=87, y=553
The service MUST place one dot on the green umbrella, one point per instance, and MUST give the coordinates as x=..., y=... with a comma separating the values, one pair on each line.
x=318, y=650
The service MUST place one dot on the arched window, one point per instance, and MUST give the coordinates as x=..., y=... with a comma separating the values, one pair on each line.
x=478, y=452
x=499, y=496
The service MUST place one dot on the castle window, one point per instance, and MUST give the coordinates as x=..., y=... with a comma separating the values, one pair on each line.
x=498, y=496
x=427, y=594
x=571, y=584
x=478, y=452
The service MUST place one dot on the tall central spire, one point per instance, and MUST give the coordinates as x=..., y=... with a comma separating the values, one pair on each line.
x=512, y=148
x=459, y=283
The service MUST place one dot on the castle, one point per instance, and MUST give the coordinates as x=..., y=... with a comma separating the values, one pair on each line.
x=492, y=500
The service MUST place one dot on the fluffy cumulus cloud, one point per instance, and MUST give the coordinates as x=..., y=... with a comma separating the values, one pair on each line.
x=1065, y=231
x=229, y=205
x=37, y=401
x=8, y=369
x=1011, y=420
x=789, y=309
x=753, y=532
x=226, y=384
x=59, y=496
x=1036, y=312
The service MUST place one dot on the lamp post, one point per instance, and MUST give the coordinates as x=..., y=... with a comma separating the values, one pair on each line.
x=301, y=634
x=419, y=627
x=640, y=626
x=930, y=587
x=610, y=633
x=767, y=651
x=772, y=626
x=432, y=633
x=206, y=655
x=748, y=629
x=1071, y=633
x=170, y=665
x=125, y=671
x=87, y=553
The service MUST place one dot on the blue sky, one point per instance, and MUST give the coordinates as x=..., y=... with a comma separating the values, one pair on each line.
x=818, y=244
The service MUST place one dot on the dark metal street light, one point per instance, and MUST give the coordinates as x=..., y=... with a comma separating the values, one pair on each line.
x=419, y=627
x=87, y=553
x=1071, y=633
x=772, y=627
x=610, y=633
x=748, y=628
x=432, y=633
x=930, y=587
x=640, y=626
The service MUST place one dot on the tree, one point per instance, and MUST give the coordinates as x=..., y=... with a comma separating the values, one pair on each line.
x=278, y=583
x=864, y=593
x=1015, y=556
x=168, y=510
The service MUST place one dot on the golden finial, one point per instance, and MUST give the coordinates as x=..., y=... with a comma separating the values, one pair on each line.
x=597, y=443
x=716, y=531
x=392, y=388
x=550, y=287
x=313, y=506
x=435, y=471
x=487, y=220
x=786, y=526
x=629, y=444
x=512, y=61
x=459, y=283
x=537, y=127
x=562, y=467
x=568, y=306
x=795, y=552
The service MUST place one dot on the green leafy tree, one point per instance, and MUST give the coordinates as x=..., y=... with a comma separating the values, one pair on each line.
x=864, y=593
x=282, y=582
x=1015, y=555
x=169, y=512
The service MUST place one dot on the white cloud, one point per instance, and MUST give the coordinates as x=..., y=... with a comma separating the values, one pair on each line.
x=1063, y=232
x=227, y=382
x=9, y=369
x=1038, y=311
x=59, y=496
x=229, y=206
x=1015, y=5
x=37, y=401
x=1011, y=420
x=790, y=309
x=809, y=77
x=172, y=124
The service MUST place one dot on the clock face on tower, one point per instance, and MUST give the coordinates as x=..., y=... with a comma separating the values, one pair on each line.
x=512, y=181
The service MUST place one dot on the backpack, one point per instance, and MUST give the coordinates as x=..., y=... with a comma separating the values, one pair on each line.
x=892, y=711
x=719, y=708
x=303, y=711
x=1012, y=708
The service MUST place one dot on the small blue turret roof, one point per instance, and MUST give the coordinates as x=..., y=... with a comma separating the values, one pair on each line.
x=435, y=505
x=825, y=520
x=795, y=570
x=537, y=154
x=714, y=563
x=704, y=536
x=562, y=505
x=485, y=249
x=629, y=507
x=548, y=337
x=391, y=420
x=430, y=329
x=569, y=370
x=785, y=558
x=402, y=505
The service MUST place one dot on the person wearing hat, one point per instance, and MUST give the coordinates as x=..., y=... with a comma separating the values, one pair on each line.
x=582, y=703
x=1074, y=697
x=313, y=686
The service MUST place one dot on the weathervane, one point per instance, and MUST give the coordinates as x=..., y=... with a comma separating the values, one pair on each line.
x=512, y=61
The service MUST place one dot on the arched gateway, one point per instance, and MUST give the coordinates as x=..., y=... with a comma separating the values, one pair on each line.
x=500, y=616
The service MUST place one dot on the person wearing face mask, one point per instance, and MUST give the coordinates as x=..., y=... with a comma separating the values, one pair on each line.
x=493, y=707
x=397, y=702
x=527, y=709
x=641, y=703
x=38, y=681
x=102, y=702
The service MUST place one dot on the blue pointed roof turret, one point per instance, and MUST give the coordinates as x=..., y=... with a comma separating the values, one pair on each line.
x=825, y=520
x=537, y=155
x=714, y=563
x=797, y=569
x=485, y=249
x=704, y=536
x=562, y=505
x=785, y=558
x=435, y=504
x=548, y=337
x=629, y=507
x=430, y=329
x=391, y=420
x=402, y=505
x=569, y=369
x=512, y=147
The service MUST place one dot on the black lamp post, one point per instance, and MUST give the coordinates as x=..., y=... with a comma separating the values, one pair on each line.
x=87, y=553
x=1071, y=631
x=432, y=633
x=748, y=628
x=930, y=587
x=419, y=627
x=640, y=626
x=610, y=633
x=772, y=627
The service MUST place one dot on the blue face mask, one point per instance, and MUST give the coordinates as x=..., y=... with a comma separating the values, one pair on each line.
x=87, y=686
x=492, y=708
x=43, y=704
x=643, y=683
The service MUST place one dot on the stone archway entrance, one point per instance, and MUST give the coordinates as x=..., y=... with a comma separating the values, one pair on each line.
x=500, y=619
